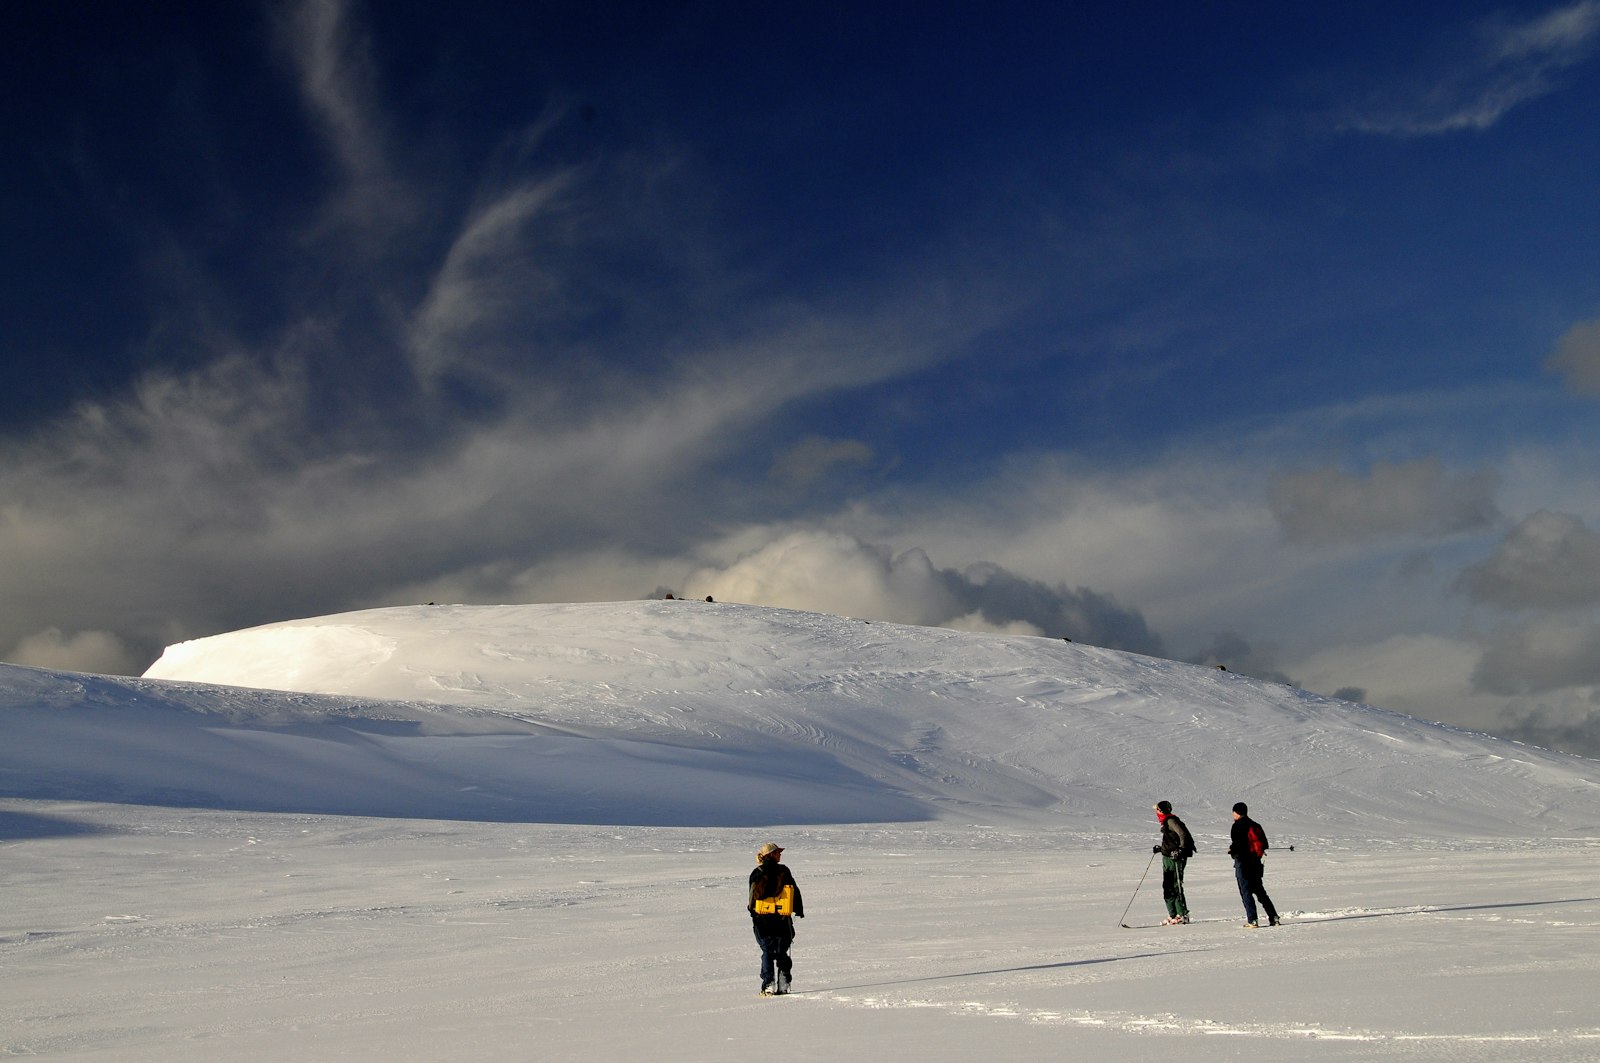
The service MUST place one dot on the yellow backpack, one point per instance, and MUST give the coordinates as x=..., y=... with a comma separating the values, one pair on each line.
x=782, y=904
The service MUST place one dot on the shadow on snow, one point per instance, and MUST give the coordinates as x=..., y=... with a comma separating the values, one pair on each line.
x=1001, y=970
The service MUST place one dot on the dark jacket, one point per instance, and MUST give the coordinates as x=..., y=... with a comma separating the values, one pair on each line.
x=1244, y=847
x=768, y=880
x=1176, y=841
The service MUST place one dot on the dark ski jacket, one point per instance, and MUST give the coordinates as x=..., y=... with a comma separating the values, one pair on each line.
x=1176, y=841
x=768, y=880
x=1249, y=841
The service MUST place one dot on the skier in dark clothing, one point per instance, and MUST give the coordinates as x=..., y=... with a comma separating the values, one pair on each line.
x=774, y=905
x=1249, y=842
x=1177, y=845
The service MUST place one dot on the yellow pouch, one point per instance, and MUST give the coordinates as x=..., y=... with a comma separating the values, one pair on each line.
x=782, y=904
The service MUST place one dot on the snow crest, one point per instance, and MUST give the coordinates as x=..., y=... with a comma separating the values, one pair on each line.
x=693, y=713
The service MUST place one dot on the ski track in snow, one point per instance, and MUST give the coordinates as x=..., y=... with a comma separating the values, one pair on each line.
x=1138, y=1023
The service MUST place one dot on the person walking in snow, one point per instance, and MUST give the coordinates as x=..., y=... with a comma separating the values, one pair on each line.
x=774, y=906
x=1249, y=843
x=1177, y=845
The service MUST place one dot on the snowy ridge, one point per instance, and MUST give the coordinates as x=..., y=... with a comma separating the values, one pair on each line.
x=692, y=713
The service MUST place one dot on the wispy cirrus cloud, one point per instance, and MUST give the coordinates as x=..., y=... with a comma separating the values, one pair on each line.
x=329, y=50
x=332, y=459
x=216, y=494
x=1505, y=63
x=491, y=276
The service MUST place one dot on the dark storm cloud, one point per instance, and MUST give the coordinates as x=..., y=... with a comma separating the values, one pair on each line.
x=1237, y=654
x=1003, y=598
x=1576, y=358
x=1548, y=654
x=840, y=573
x=1418, y=498
x=1549, y=561
x=1544, y=727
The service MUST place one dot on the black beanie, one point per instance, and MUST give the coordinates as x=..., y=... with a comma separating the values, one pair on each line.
x=1164, y=806
x=1242, y=808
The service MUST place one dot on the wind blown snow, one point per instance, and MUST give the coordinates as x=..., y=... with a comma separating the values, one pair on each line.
x=485, y=833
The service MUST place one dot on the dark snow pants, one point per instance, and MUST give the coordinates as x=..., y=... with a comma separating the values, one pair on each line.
x=1172, y=885
x=1248, y=873
x=774, y=933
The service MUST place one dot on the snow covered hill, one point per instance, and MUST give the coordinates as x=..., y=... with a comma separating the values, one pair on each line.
x=694, y=713
x=969, y=815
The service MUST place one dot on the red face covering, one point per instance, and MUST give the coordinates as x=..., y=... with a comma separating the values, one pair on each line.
x=1161, y=817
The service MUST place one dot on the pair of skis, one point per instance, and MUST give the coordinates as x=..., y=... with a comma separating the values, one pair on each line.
x=1123, y=922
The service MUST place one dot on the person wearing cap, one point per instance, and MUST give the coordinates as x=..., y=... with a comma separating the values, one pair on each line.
x=1249, y=843
x=1177, y=845
x=774, y=905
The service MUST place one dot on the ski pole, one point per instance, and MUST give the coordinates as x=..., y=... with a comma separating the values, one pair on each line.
x=1124, y=920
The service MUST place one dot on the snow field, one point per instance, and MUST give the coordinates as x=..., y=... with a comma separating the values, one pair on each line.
x=182, y=936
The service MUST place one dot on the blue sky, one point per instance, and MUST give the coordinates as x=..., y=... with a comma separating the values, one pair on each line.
x=1261, y=337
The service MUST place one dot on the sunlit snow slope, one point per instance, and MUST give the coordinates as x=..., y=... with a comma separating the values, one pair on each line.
x=673, y=712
